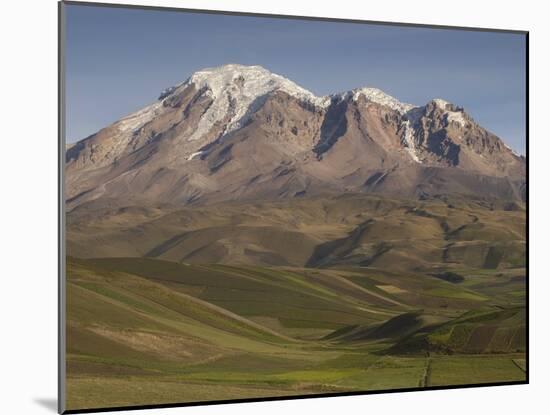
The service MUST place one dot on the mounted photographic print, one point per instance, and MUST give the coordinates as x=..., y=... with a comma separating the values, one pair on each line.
x=259, y=207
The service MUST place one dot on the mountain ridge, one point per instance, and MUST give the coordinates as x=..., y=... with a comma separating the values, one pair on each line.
x=223, y=129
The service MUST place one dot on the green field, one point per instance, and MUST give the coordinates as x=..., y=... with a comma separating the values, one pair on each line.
x=171, y=304
x=146, y=331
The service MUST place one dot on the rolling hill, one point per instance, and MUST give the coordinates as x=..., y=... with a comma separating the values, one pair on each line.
x=352, y=229
x=153, y=331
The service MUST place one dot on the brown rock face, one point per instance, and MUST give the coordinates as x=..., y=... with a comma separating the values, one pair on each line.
x=212, y=141
x=445, y=134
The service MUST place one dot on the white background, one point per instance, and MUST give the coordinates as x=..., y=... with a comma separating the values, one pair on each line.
x=28, y=227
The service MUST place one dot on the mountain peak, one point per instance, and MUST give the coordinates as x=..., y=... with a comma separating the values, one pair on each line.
x=376, y=96
x=190, y=145
x=237, y=89
x=200, y=118
x=228, y=73
x=440, y=103
x=247, y=81
x=453, y=113
x=380, y=97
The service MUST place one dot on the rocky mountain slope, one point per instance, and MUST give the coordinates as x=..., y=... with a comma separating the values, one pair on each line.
x=243, y=133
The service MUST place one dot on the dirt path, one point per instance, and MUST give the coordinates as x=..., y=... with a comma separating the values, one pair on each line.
x=425, y=380
x=375, y=294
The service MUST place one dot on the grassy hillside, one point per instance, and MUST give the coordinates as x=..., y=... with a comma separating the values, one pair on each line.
x=292, y=297
x=145, y=331
x=486, y=330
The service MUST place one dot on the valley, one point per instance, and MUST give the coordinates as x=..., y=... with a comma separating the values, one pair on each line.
x=282, y=298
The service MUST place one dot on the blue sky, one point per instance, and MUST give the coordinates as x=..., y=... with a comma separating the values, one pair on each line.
x=118, y=60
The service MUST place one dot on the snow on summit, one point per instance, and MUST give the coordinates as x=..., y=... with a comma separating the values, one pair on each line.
x=248, y=81
x=237, y=90
x=380, y=97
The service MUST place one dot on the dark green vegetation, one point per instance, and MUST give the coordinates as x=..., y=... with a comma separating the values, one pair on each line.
x=355, y=293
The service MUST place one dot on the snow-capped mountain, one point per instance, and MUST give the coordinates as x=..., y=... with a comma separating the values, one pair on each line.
x=237, y=91
x=244, y=132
